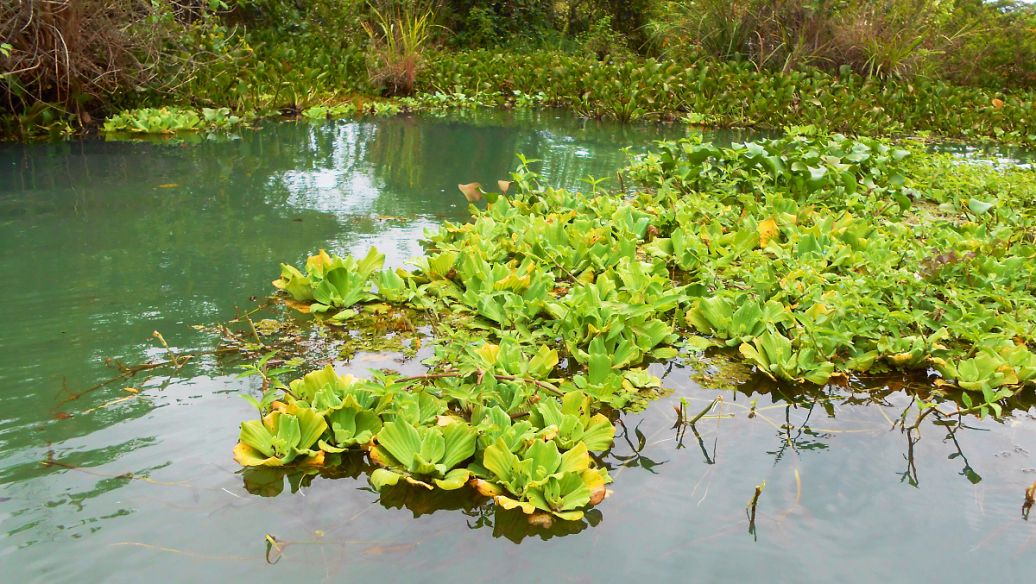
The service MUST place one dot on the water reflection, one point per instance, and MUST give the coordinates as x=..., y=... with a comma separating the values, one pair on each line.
x=478, y=510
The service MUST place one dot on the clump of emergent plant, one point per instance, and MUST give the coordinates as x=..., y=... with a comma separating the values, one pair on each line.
x=399, y=37
x=816, y=257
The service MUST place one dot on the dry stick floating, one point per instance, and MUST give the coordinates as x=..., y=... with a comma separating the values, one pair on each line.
x=942, y=414
x=178, y=551
x=50, y=462
x=273, y=544
x=129, y=371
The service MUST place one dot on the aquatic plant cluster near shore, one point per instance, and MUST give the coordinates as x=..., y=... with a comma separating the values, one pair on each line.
x=708, y=93
x=731, y=93
x=820, y=258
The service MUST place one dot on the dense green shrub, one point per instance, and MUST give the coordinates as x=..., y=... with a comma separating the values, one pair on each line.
x=482, y=24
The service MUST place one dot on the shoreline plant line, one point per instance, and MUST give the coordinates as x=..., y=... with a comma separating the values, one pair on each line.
x=710, y=94
x=962, y=69
x=818, y=257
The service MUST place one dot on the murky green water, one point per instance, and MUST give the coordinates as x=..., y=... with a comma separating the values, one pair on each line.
x=103, y=243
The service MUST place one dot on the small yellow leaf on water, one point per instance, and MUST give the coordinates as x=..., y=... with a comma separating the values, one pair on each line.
x=131, y=390
x=442, y=421
x=489, y=353
x=299, y=306
x=767, y=230
x=168, y=186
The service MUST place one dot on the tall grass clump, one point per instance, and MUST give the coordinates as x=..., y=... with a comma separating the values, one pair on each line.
x=779, y=34
x=892, y=38
x=880, y=38
x=399, y=34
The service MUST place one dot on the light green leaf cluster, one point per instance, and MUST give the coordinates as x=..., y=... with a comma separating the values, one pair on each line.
x=817, y=257
x=331, y=282
x=170, y=120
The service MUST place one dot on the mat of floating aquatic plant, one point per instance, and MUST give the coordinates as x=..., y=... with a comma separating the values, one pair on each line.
x=819, y=259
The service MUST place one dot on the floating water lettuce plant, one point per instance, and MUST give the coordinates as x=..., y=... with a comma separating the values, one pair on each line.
x=281, y=437
x=428, y=451
x=817, y=257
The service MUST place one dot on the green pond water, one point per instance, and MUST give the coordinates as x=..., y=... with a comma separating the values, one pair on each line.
x=102, y=243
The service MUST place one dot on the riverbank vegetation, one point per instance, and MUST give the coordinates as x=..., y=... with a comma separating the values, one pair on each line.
x=960, y=69
x=819, y=259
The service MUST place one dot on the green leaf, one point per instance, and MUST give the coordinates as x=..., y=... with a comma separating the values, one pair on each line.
x=454, y=479
x=311, y=426
x=979, y=207
x=383, y=477
x=257, y=436
x=459, y=439
x=401, y=440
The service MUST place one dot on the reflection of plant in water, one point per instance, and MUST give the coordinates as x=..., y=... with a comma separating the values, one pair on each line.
x=1030, y=499
x=405, y=153
x=796, y=442
x=514, y=526
x=267, y=481
x=636, y=457
x=397, y=154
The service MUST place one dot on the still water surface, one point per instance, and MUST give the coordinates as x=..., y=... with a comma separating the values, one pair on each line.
x=103, y=243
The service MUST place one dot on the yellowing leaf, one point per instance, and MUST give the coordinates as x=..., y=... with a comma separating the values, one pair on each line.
x=318, y=262
x=818, y=309
x=767, y=229
x=509, y=503
x=245, y=455
x=486, y=488
x=489, y=352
